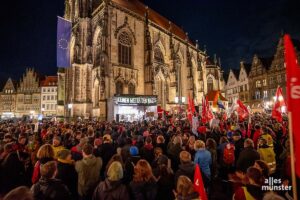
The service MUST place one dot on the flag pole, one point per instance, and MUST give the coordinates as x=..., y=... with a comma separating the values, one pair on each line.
x=292, y=152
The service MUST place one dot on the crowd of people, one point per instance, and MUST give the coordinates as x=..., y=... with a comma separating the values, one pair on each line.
x=147, y=160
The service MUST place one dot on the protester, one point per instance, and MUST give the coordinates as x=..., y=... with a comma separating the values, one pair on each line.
x=253, y=190
x=247, y=157
x=203, y=158
x=19, y=193
x=44, y=155
x=88, y=170
x=185, y=189
x=66, y=171
x=143, y=186
x=112, y=188
x=48, y=187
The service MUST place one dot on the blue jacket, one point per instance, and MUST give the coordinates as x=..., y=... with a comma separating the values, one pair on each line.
x=203, y=158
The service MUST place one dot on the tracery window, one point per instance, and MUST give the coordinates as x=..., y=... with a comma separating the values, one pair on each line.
x=119, y=87
x=131, y=88
x=210, y=84
x=125, y=49
x=158, y=56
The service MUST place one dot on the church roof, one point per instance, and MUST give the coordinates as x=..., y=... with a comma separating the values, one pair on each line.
x=140, y=9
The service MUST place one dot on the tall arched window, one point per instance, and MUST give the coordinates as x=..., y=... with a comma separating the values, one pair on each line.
x=131, y=88
x=119, y=87
x=210, y=84
x=158, y=56
x=125, y=49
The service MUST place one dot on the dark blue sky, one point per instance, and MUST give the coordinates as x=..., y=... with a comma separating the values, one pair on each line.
x=233, y=29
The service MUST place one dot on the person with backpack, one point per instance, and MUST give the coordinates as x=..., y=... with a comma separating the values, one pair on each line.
x=48, y=187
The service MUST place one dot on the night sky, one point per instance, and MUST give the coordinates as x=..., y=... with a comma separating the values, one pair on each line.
x=232, y=29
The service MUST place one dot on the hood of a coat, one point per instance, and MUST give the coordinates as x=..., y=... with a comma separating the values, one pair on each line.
x=89, y=161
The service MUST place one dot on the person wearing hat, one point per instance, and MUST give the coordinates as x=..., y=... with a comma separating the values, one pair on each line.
x=112, y=187
x=66, y=171
x=57, y=145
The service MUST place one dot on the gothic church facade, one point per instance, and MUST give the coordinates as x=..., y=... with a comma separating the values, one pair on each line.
x=122, y=47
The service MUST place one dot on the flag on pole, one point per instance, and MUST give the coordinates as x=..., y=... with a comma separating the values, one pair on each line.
x=204, y=119
x=64, y=29
x=217, y=101
x=198, y=183
x=293, y=98
x=241, y=110
x=279, y=103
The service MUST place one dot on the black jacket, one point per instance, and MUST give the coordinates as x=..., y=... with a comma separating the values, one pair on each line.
x=185, y=170
x=247, y=158
x=143, y=190
x=111, y=190
x=50, y=189
x=68, y=175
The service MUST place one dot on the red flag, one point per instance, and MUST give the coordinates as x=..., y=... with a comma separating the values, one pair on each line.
x=242, y=106
x=204, y=119
x=241, y=110
x=209, y=114
x=293, y=96
x=198, y=183
x=279, y=102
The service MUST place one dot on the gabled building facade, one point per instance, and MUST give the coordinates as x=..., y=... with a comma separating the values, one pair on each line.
x=232, y=86
x=8, y=99
x=28, y=97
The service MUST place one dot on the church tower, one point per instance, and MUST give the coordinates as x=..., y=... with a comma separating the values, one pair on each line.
x=78, y=81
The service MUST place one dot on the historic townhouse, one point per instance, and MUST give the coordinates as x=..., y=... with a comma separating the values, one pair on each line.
x=232, y=86
x=49, y=96
x=243, y=82
x=127, y=58
x=28, y=97
x=8, y=99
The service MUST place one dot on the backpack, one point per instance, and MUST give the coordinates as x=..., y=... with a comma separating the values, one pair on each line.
x=228, y=155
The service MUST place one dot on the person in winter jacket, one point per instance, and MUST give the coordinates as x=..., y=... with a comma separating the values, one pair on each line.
x=112, y=188
x=88, y=170
x=185, y=189
x=106, y=150
x=174, y=148
x=186, y=166
x=253, y=190
x=48, y=187
x=147, y=151
x=12, y=171
x=44, y=155
x=56, y=145
x=267, y=154
x=143, y=186
x=247, y=157
x=165, y=179
x=19, y=193
x=203, y=158
x=66, y=171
